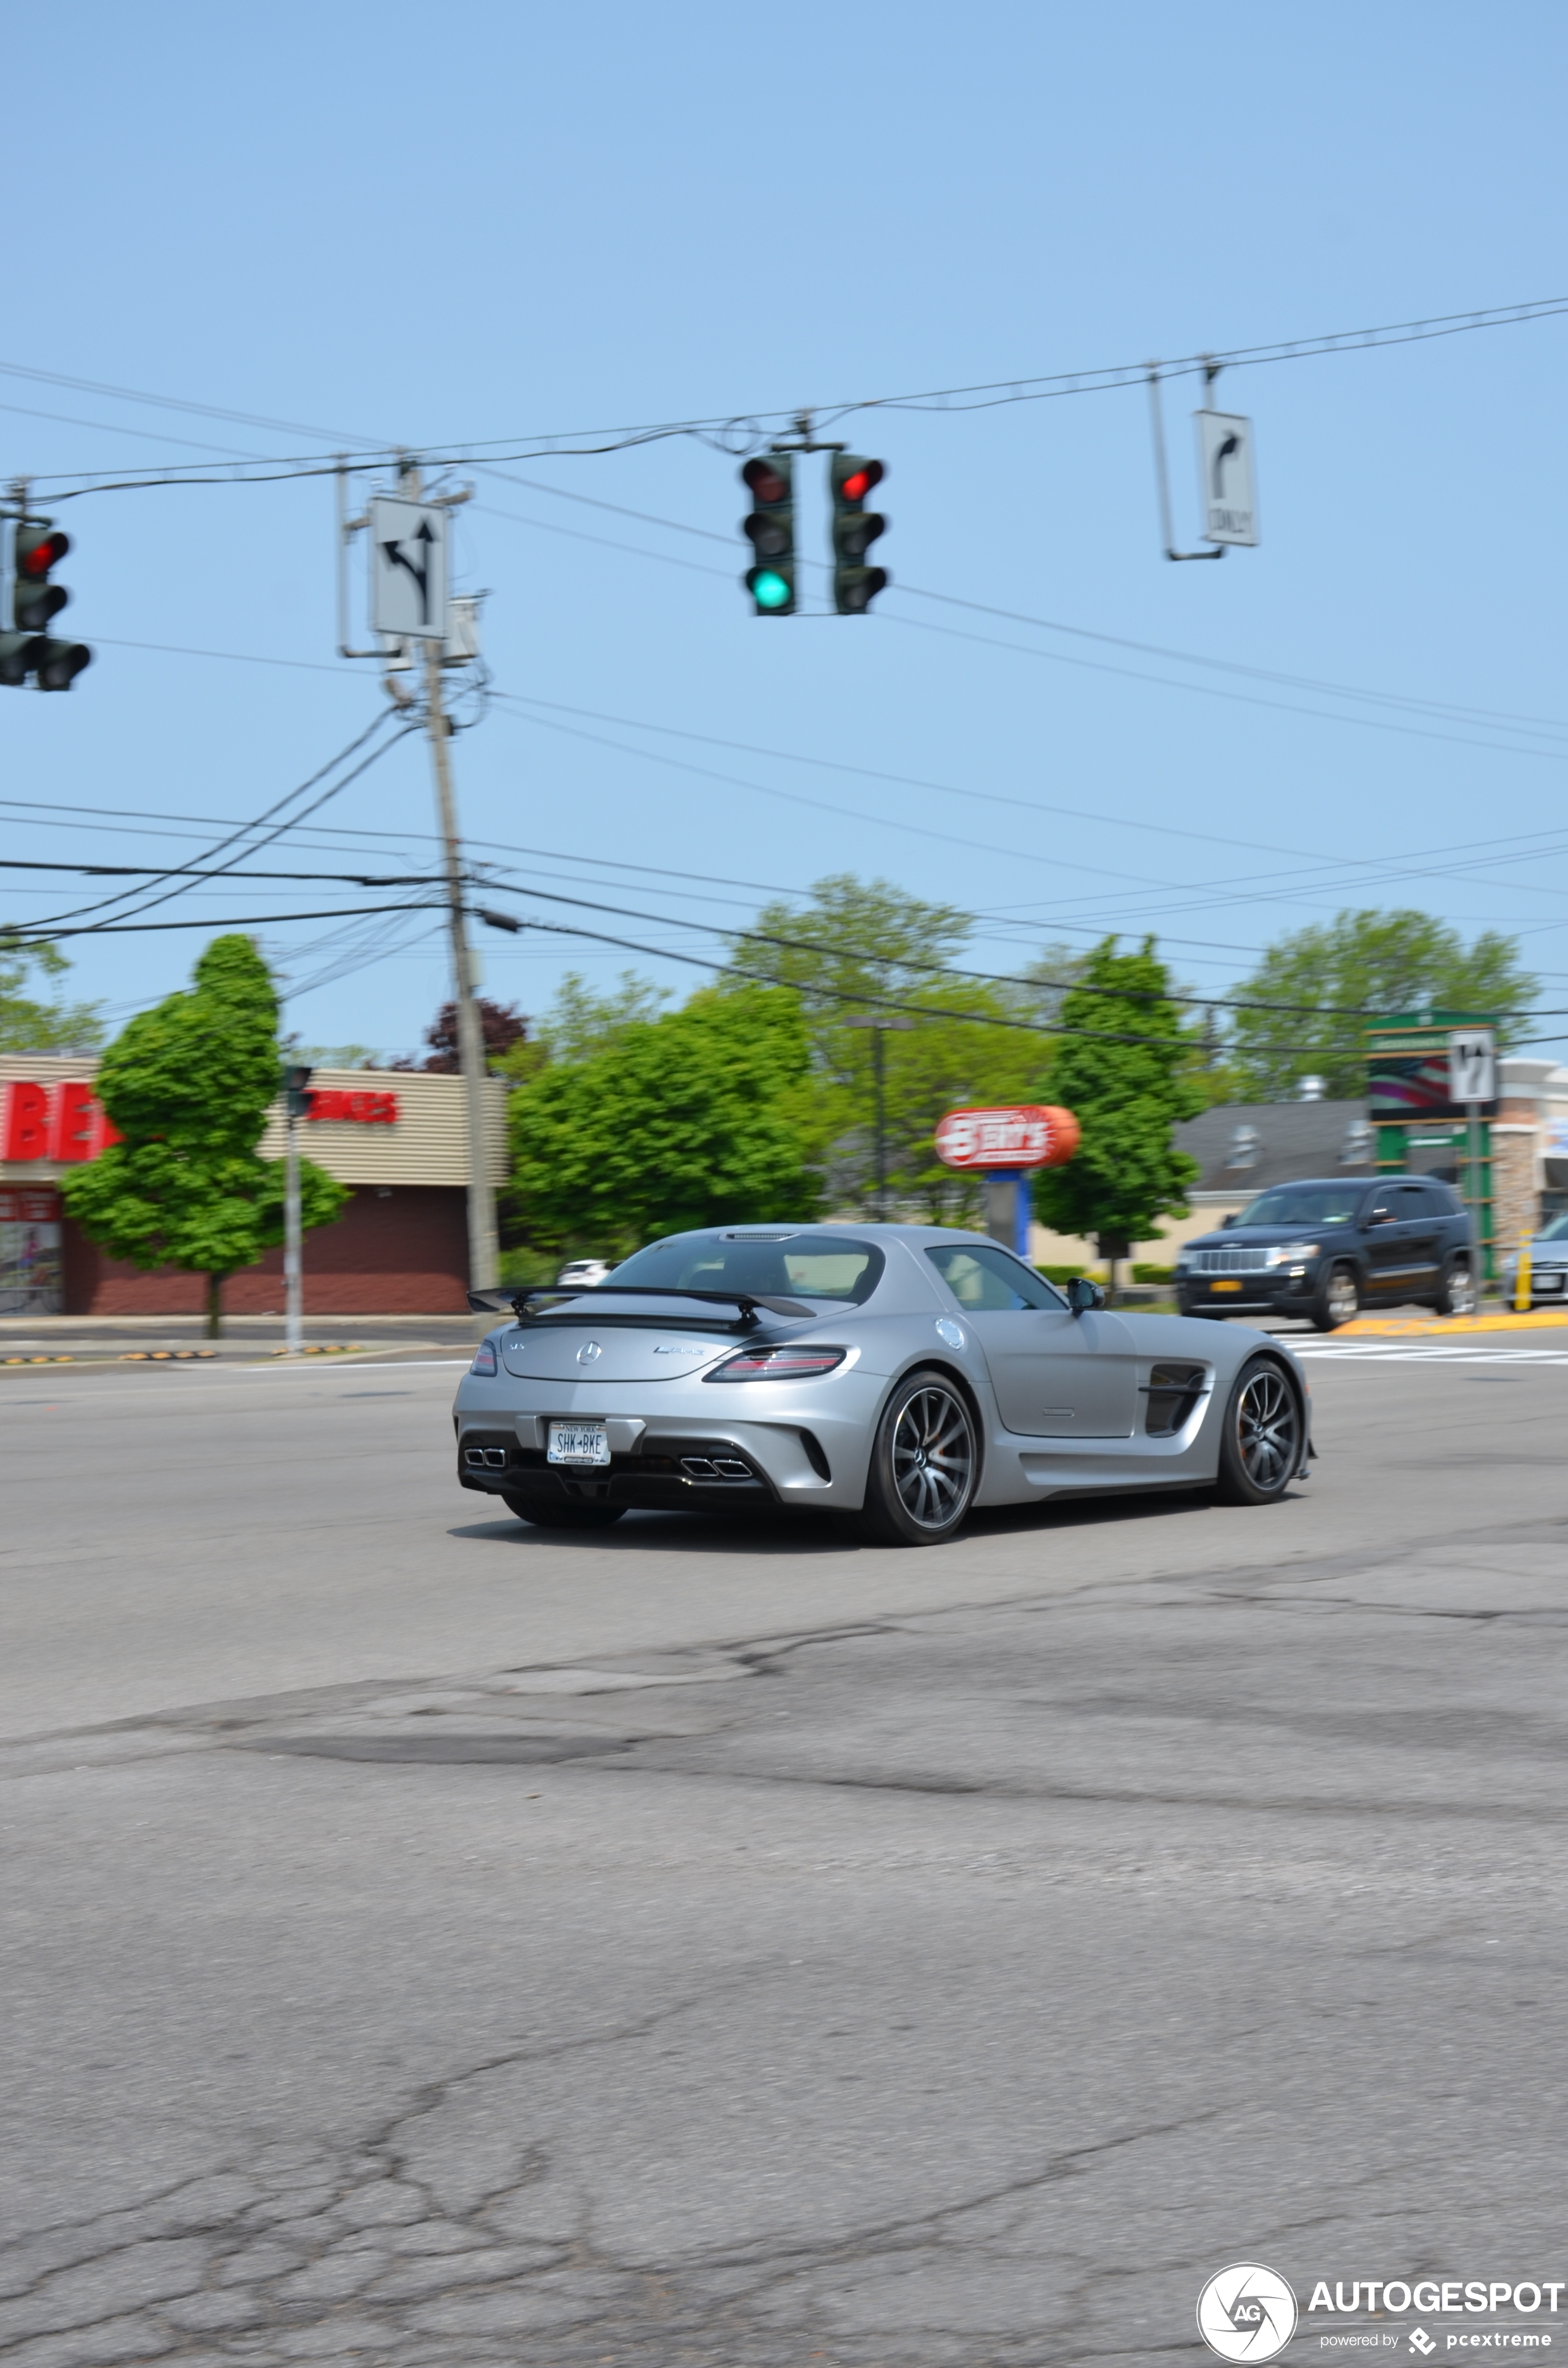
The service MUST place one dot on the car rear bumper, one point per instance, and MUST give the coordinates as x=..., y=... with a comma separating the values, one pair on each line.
x=666, y=1475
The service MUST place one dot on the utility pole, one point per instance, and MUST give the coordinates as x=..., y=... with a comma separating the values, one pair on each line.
x=879, y=1026
x=481, y=1246
x=415, y=555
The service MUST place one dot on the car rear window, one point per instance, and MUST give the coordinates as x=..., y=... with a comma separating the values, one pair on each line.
x=982, y=1277
x=774, y=1265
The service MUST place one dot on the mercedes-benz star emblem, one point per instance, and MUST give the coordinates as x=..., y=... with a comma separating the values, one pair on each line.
x=588, y=1351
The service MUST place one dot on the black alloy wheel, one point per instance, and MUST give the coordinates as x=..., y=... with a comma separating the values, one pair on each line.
x=555, y=1513
x=1261, y=1444
x=925, y=1464
x=1338, y=1300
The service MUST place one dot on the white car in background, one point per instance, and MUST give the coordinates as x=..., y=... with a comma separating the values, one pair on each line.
x=1549, y=1266
x=581, y=1273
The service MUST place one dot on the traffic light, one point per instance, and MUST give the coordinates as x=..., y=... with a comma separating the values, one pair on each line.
x=771, y=528
x=35, y=552
x=855, y=529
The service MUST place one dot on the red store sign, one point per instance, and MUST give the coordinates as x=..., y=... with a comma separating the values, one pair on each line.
x=1021, y=1134
x=68, y=1123
x=357, y=1108
x=65, y=1122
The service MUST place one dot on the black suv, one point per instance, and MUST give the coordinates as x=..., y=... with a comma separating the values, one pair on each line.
x=1327, y=1247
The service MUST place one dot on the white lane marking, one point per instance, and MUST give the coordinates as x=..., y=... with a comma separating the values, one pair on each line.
x=1437, y=1355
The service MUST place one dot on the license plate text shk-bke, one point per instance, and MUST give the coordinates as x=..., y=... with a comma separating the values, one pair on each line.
x=578, y=1442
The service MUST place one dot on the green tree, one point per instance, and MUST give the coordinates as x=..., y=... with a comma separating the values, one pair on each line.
x=1376, y=962
x=27, y=1025
x=860, y=940
x=188, y=1085
x=686, y=1119
x=1127, y=1099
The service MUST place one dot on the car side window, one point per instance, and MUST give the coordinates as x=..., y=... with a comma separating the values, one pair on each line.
x=983, y=1279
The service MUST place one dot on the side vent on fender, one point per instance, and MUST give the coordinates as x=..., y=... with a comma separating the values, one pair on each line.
x=1172, y=1391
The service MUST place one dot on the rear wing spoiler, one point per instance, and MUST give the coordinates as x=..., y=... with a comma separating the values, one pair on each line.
x=522, y=1302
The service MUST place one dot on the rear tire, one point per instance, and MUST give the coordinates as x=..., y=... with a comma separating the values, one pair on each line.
x=544, y=1513
x=1262, y=1441
x=1457, y=1296
x=925, y=1465
x=1338, y=1301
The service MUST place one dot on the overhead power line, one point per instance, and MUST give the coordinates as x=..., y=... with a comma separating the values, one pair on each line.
x=740, y=433
x=30, y=932
x=840, y=949
x=244, y=830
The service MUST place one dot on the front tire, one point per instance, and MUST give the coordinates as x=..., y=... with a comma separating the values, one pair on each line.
x=1457, y=1296
x=925, y=1465
x=1338, y=1301
x=1260, y=1446
x=546, y=1513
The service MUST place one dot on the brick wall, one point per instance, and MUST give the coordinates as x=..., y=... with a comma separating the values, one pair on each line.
x=402, y=1251
x=1515, y=1200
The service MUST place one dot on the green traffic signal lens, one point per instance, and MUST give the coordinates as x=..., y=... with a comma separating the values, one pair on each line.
x=769, y=589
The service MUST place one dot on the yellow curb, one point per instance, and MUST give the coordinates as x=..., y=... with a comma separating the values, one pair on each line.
x=1364, y=1325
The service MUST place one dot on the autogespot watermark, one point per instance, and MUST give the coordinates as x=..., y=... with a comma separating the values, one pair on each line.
x=1247, y=2312
x=1250, y=2312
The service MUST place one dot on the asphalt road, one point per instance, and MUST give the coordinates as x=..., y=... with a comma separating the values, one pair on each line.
x=427, y=1942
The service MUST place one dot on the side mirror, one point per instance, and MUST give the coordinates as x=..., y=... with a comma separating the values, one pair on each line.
x=1226, y=1223
x=1083, y=1293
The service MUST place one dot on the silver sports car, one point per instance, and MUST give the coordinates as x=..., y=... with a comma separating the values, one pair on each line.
x=899, y=1373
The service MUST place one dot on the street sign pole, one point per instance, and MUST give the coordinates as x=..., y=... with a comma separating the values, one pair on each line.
x=294, y=1289
x=296, y=1106
x=1472, y=1081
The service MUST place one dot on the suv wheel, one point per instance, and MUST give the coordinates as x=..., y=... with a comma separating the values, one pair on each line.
x=1457, y=1294
x=1338, y=1301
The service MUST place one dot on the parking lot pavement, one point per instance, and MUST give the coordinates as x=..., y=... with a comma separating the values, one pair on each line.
x=433, y=1943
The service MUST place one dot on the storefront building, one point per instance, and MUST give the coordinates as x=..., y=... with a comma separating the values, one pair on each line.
x=397, y=1139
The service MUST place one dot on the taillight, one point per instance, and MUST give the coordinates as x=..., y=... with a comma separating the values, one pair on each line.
x=484, y=1358
x=778, y=1364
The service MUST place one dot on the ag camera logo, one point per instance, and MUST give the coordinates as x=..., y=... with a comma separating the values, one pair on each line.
x=1247, y=2312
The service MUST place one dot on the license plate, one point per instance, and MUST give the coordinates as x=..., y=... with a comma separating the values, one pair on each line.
x=1548, y=1282
x=578, y=1442
x=1224, y=1286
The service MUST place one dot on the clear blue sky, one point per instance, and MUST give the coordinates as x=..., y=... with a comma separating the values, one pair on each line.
x=396, y=224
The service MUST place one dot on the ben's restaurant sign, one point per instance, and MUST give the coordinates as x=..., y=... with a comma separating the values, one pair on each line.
x=1022, y=1134
x=67, y=1123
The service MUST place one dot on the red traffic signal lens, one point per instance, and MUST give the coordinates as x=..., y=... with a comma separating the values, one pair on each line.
x=37, y=553
x=765, y=482
x=855, y=488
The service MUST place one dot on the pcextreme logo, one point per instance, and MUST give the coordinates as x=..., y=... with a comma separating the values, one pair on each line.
x=1247, y=2312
